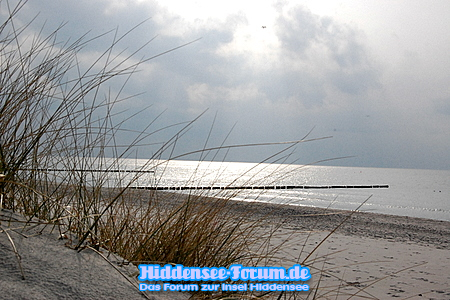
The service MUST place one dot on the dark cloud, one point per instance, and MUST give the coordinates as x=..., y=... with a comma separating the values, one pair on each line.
x=81, y=16
x=343, y=58
x=354, y=82
x=303, y=89
x=297, y=30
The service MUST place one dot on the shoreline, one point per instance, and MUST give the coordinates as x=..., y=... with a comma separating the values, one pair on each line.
x=427, y=232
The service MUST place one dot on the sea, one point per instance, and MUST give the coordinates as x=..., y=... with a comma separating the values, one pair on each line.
x=411, y=192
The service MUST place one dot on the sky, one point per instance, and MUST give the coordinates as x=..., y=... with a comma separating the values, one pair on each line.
x=373, y=75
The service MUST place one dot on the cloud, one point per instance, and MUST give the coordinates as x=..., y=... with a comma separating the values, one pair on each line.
x=297, y=30
x=326, y=49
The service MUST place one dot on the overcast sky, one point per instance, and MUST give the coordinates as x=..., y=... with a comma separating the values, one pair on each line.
x=372, y=74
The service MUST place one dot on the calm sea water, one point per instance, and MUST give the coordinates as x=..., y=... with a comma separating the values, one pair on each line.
x=411, y=192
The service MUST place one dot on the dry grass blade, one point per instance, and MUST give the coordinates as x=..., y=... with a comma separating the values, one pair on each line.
x=118, y=270
x=383, y=278
x=19, y=259
x=334, y=229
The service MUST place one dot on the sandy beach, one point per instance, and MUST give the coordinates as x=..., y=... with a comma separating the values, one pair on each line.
x=371, y=256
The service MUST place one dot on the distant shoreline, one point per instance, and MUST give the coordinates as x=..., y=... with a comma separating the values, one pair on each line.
x=427, y=232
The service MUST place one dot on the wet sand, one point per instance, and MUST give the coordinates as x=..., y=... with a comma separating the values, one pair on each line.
x=369, y=256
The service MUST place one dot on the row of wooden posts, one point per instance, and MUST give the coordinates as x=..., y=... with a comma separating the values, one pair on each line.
x=264, y=187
